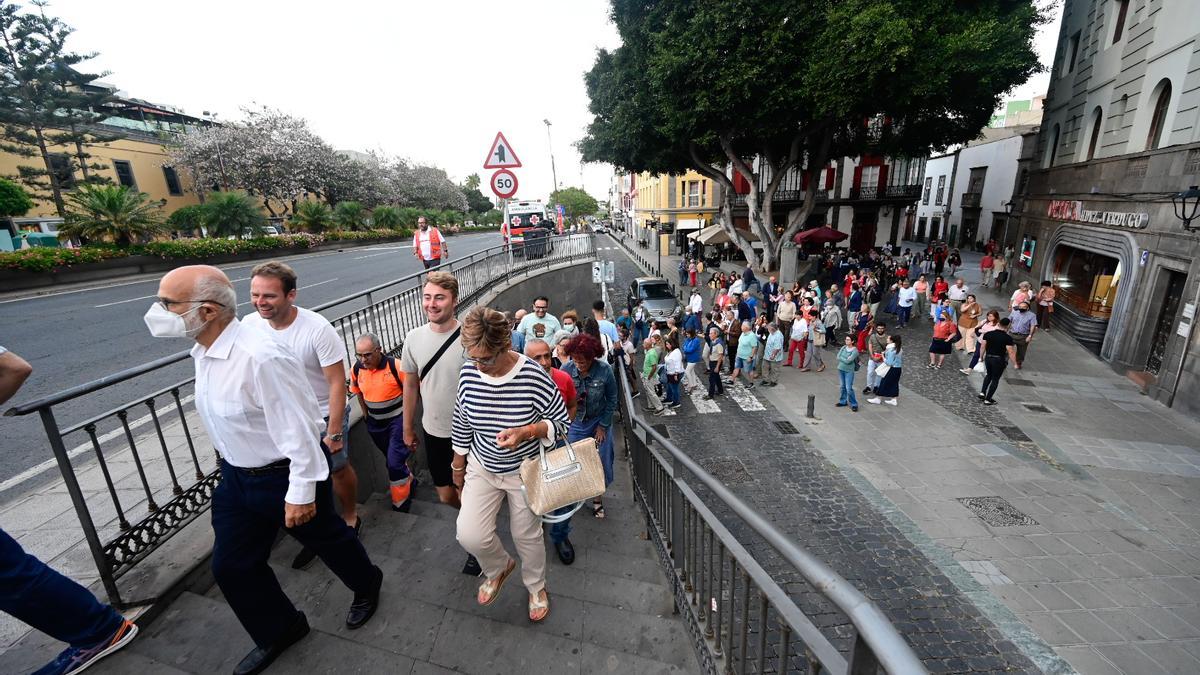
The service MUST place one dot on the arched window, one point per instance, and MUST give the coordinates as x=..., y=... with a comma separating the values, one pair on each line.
x=1051, y=151
x=1097, y=124
x=1158, y=121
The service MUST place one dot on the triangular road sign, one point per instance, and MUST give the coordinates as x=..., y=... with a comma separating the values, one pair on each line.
x=501, y=156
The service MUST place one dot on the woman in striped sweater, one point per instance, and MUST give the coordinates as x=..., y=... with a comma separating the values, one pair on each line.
x=506, y=406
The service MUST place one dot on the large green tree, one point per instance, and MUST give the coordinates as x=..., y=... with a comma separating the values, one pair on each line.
x=758, y=88
x=576, y=202
x=48, y=101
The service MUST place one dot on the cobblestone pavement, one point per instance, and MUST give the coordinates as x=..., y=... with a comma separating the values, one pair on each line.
x=810, y=499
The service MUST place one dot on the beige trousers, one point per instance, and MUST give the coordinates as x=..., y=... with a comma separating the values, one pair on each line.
x=482, y=494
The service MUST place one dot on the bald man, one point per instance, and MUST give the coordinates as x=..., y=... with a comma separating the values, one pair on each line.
x=263, y=418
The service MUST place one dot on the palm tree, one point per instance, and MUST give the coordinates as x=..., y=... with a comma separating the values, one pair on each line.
x=349, y=215
x=233, y=214
x=111, y=212
x=387, y=217
x=312, y=216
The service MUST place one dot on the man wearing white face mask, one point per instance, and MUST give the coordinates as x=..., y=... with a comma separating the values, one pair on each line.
x=262, y=417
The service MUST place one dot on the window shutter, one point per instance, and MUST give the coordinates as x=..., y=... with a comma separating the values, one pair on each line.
x=857, y=177
x=883, y=178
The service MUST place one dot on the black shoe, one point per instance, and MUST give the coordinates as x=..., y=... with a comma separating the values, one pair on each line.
x=260, y=658
x=675, y=405
x=989, y=401
x=853, y=408
x=866, y=390
x=566, y=552
x=472, y=566
x=364, y=606
x=981, y=396
x=839, y=405
x=708, y=397
x=303, y=559
x=403, y=508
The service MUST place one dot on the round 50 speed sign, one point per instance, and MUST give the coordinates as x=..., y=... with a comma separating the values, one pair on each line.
x=504, y=183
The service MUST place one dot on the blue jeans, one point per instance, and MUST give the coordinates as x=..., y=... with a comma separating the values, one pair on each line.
x=847, y=379
x=50, y=602
x=672, y=391
x=579, y=430
x=873, y=378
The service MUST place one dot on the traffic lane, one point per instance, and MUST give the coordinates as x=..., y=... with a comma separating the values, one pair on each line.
x=69, y=342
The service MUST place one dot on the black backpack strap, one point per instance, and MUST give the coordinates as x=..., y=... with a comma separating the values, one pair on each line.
x=391, y=361
x=441, y=350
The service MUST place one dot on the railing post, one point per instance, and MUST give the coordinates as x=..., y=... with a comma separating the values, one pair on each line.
x=676, y=536
x=81, y=509
x=862, y=659
x=372, y=320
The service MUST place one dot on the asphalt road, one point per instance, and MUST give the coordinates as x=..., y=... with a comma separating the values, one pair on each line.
x=78, y=336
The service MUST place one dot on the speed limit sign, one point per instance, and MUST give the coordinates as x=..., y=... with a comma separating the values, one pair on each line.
x=504, y=183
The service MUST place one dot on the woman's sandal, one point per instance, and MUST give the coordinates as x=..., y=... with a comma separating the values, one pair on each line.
x=598, y=510
x=489, y=590
x=539, y=609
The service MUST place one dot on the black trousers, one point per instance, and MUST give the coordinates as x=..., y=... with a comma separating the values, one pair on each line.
x=715, y=387
x=247, y=512
x=995, y=368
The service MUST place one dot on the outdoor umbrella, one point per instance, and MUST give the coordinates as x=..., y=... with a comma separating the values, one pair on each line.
x=820, y=235
x=715, y=234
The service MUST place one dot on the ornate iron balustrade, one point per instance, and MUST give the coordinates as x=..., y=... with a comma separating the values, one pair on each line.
x=887, y=192
x=783, y=196
x=177, y=487
x=737, y=615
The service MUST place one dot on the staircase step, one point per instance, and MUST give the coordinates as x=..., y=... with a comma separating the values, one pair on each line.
x=185, y=635
x=130, y=661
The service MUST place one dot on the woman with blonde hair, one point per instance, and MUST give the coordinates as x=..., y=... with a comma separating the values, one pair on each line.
x=507, y=405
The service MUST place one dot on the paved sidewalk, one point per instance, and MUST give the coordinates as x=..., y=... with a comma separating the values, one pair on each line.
x=1105, y=569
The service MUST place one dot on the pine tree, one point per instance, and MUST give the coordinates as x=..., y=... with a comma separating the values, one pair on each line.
x=48, y=102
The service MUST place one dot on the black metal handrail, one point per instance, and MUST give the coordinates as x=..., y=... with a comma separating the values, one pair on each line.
x=172, y=503
x=728, y=601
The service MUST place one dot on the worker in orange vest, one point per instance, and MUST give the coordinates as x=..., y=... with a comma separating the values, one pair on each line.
x=428, y=244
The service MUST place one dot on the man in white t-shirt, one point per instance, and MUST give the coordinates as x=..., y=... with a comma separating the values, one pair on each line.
x=906, y=295
x=433, y=356
x=313, y=340
x=428, y=244
x=696, y=302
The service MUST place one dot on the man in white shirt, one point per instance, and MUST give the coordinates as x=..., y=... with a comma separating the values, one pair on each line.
x=262, y=417
x=696, y=302
x=958, y=294
x=428, y=244
x=906, y=295
x=312, y=340
x=432, y=358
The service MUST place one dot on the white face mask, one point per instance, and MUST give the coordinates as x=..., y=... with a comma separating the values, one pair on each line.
x=569, y=327
x=164, y=323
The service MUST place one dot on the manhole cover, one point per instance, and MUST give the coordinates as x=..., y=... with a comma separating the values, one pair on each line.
x=786, y=427
x=1014, y=434
x=996, y=511
x=1020, y=383
x=727, y=469
x=1037, y=408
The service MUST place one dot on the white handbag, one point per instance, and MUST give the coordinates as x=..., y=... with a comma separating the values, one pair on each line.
x=883, y=370
x=979, y=367
x=569, y=474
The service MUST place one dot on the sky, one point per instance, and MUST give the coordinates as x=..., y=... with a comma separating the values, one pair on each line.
x=429, y=81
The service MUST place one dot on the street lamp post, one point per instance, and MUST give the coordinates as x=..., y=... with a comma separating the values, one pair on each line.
x=553, y=170
x=1187, y=206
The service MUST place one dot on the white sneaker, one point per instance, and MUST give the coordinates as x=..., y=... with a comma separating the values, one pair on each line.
x=873, y=400
x=892, y=401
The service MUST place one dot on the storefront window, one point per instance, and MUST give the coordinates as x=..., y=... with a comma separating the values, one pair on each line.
x=1086, y=281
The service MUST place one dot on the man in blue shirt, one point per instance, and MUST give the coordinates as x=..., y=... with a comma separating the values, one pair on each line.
x=691, y=320
x=1022, y=327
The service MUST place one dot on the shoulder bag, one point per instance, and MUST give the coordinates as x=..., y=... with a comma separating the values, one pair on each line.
x=569, y=474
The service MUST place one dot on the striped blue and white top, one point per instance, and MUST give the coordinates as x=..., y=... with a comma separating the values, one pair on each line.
x=487, y=405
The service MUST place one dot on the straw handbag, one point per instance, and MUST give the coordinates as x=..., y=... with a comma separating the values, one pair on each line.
x=568, y=474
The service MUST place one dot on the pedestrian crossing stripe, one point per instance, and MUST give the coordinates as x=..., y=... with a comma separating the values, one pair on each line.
x=703, y=406
x=742, y=396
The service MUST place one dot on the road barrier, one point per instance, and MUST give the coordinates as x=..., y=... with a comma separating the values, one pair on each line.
x=176, y=488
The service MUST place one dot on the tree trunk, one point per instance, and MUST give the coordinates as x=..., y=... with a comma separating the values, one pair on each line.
x=81, y=156
x=56, y=191
x=797, y=217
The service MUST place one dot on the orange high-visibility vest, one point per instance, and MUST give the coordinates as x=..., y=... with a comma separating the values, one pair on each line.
x=435, y=242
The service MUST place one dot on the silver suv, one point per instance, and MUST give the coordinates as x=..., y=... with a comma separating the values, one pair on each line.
x=656, y=294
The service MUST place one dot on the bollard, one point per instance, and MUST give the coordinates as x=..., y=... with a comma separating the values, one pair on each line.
x=812, y=406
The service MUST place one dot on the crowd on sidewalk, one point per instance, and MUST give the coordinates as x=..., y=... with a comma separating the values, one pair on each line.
x=749, y=330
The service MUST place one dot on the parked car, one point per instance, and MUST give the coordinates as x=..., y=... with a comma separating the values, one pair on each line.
x=656, y=293
x=600, y=228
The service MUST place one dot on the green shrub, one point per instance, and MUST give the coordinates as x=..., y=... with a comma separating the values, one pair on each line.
x=43, y=259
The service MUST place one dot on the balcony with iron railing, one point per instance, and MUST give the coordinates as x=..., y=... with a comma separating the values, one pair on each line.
x=872, y=192
x=785, y=197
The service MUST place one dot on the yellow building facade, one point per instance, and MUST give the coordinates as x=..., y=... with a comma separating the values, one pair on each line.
x=680, y=204
x=141, y=163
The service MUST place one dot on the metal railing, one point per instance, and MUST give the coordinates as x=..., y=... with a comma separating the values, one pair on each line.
x=162, y=474
x=739, y=617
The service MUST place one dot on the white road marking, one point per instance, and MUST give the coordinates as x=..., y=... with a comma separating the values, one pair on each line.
x=704, y=406
x=85, y=447
x=301, y=288
x=742, y=396
x=148, y=297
